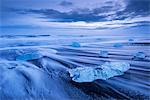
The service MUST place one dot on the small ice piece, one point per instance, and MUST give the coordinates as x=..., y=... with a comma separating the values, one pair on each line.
x=81, y=35
x=103, y=53
x=139, y=55
x=99, y=39
x=104, y=72
x=75, y=44
x=131, y=40
x=118, y=45
x=28, y=56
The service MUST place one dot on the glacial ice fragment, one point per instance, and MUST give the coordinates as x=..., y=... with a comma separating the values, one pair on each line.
x=104, y=72
x=103, y=53
x=131, y=40
x=28, y=56
x=139, y=55
x=118, y=45
x=75, y=44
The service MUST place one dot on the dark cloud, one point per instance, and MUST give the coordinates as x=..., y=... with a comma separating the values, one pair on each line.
x=104, y=9
x=66, y=3
x=133, y=9
x=72, y=16
x=139, y=6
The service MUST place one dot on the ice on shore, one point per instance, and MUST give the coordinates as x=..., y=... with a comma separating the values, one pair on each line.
x=24, y=54
x=29, y=56
x=139, y=55
x=104, y=72
x=75, y=44
x=131, y=39
x=118, y=45
x=35, y=55
x=103, y=53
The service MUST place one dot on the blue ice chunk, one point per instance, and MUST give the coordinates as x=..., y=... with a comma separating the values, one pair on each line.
x=120, y=66
x=118, y=45
x=81, y=74
x=139, y=55
x=103, y=53
x=81, y=35
x=104, y=72
x=75, y=44
x=28, y=56
x=131, y=40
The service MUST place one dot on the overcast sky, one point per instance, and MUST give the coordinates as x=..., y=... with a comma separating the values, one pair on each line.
x=74, y=14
